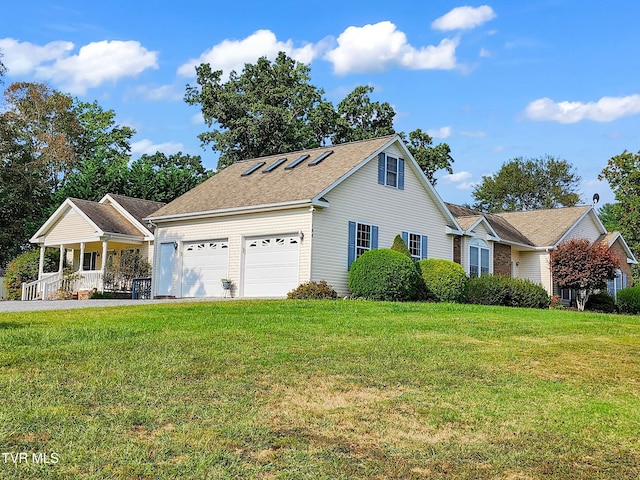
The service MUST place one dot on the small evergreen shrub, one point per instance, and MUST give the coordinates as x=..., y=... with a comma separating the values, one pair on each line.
x=507, y=291
x=24, y=268
x=601, y=302
x=384, y=274
x=313, y=291
x=629, y=300
x=399, y=245
x=445, y=280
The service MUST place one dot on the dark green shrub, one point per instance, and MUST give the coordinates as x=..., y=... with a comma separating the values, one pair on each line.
x=313, y=291
x=24, y=268
x=601, y=302
x=629, y=300
x=384, y=275
x=399, y=245
x=445, y=280
x=506, y=291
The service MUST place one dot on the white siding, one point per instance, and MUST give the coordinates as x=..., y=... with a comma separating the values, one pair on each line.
x=71, y=228
x=235, y=228
x=361, y=199
x=586, y=228
x=535, y=267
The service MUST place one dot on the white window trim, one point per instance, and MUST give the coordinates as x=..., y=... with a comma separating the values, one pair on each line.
x=358, y=247
x=419, y=256
x=480, y=244
x=386, y=171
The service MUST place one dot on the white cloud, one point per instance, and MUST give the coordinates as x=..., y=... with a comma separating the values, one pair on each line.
x=456, y=177
x=607, y=109
x=464, y=18
x=147, y=147
x=197, y=119
x=473, y=133
x=234, y=54
x=22, y=58
x=99, y=62
x=164, y=92
x=374, y=48
x=484, y=53
x=467, y=185
x=442, y=132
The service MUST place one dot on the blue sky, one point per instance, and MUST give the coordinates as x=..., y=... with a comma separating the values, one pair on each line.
x=494, y=80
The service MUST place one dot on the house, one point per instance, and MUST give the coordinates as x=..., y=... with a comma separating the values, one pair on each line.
x=271, y=223
x=88, y=233
x=518, y=244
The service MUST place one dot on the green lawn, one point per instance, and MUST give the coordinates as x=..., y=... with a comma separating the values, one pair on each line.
x=342, y=389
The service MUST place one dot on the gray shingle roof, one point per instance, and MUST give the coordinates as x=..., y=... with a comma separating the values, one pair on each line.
x=228, y=189
x=137, y=207
x=106, y=217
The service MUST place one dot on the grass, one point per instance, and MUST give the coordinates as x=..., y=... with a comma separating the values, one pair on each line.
x=320, y=389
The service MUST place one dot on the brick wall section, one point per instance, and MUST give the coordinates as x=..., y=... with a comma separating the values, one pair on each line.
x=501, y=259
x=618, y=249
x=457, y=250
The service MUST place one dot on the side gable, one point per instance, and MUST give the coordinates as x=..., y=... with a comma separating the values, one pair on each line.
x=68, y=222
x=134, y=210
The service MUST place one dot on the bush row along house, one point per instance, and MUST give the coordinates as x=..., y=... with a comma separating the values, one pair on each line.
x=271, y=223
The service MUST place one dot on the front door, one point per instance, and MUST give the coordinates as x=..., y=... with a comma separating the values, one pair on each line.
x=164, y=285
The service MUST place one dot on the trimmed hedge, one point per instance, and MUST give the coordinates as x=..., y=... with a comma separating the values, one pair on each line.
x=629, y=300
x=313, y=291
x=384, y=274
x=446, y=281
x=399, y=245
x=506, y=291
x=601, y=302
x=24, y=268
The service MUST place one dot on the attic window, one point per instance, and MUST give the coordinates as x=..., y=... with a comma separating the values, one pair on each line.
x=320, y=158
x=274, y=165
x=252, y=169
x=297, y=161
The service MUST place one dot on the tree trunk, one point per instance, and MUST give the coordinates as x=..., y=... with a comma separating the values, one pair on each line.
x=581, y=298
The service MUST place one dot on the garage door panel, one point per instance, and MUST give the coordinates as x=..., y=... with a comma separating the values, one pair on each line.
x=204, y=264
x=271, y=266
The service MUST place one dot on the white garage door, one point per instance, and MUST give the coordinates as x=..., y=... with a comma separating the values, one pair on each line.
x=204, y=264
x=271, y=266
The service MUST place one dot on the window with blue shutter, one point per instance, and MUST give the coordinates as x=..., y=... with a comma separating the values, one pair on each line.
x=362, y=238
x=416, y=243
x=391, y=171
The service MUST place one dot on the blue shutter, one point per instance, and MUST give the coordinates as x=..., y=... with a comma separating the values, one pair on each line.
x=351, y=256
x=425, y=241
x=400, y=174
x=374, y=237
x=405, y=237
x=382, y=166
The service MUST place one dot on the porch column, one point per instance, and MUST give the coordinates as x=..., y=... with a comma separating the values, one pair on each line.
x=61, y=263
x=81, y=262
x=104, y=255
x=41, y=265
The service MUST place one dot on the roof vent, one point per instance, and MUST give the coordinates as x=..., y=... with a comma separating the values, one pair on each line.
x=252, y=169
x=320, y=158
x=274, y=165
x=297, y=161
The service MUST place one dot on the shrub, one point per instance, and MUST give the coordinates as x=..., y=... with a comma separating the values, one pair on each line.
x=384, y=275
x=601, y=302
x=399, y=245
x=445, y=280
x=629, y=300
x=313, y=291
x=24, y=268
x=506, y=291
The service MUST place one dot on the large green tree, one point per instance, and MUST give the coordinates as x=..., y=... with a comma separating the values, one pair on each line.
x=623, y=174
x=430, y=158
x=528, y=184
x=271, y=107
x=267, y=109
x=161, y=178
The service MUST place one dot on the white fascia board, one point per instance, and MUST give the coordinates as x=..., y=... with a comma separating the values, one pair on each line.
x=238, y=210
x=591, y=211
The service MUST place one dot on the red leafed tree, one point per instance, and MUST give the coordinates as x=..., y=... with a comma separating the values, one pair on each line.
x=583, y=266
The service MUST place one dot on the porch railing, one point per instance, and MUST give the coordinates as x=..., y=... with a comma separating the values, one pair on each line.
x=51, y=285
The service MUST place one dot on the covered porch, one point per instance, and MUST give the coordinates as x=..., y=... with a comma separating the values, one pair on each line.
x=82, y=266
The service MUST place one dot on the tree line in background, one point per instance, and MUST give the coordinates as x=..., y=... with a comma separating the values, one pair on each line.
x=53, y=147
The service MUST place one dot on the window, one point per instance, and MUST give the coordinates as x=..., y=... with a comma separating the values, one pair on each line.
x=362, y=238
x=617, y=284
x=89, y=261
x=478, y=258
x=416, y=243
x=391, y=171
